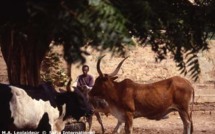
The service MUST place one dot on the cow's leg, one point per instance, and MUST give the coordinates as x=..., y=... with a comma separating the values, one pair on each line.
x=89, y=121
x=186, y=122
x=118, y=127
x=100, y=121
x=128, y=123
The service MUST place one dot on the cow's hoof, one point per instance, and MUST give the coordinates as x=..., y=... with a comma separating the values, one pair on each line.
x=165, y=117
x=75, y=127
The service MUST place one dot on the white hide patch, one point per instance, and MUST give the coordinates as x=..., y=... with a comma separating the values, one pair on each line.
x=117, y=113
x=27, y=112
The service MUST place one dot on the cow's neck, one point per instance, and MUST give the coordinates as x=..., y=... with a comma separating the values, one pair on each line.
x=113, y=92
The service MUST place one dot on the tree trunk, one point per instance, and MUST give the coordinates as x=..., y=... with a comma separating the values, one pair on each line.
x=23, y=57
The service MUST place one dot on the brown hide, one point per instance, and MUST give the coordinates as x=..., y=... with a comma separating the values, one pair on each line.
x=128, y=100
x=149, y=100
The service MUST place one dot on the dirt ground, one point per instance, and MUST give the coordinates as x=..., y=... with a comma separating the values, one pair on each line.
x=203, y=122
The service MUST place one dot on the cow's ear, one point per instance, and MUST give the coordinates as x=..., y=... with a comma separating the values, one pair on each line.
x=114, y=78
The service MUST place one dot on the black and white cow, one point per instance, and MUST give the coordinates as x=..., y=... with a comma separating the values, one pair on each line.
x=40, y=108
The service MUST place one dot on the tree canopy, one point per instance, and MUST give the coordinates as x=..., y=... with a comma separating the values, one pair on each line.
x=179, y=27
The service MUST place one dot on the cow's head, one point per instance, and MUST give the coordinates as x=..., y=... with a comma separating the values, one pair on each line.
x=104, y=82
x=77, y=104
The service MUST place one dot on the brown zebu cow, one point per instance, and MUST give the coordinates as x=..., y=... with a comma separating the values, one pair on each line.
x=128, y=100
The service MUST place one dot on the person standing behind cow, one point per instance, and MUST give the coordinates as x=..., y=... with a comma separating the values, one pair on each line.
x=85, y=81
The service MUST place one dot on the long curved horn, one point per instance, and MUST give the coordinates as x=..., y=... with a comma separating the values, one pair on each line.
x=98, y=66
x=118, y=67
x=68, y=88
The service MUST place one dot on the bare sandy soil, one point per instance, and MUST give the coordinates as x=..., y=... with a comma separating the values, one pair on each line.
x=203, y=122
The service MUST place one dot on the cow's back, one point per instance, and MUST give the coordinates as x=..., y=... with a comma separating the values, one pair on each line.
x=169, y=89
x=22, y=112
x=24, y=109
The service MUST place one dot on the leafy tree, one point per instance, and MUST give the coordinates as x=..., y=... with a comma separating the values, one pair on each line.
x=27, y=27
x=176, y=26
x=52, y=69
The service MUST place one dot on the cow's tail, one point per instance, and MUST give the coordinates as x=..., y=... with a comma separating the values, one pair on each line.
x=191, y=110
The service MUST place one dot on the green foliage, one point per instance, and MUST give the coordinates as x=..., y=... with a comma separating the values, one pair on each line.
x=178, y=27
x=99, y=24
x=52, y=71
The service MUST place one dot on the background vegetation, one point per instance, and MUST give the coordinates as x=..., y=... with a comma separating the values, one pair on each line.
x=27, y=27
